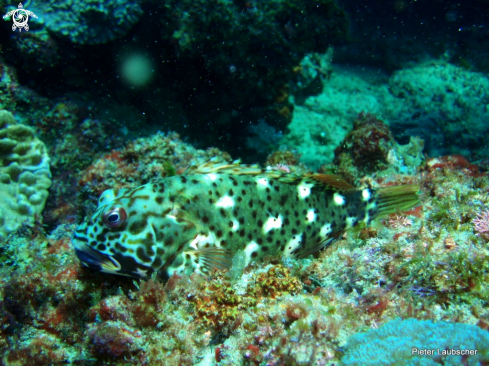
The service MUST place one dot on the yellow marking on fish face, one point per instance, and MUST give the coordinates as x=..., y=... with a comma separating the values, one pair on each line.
x=272, y=223
x=325, y=230
x=225, y=202
x=339, y=199
x=304, y=189
x=293, y=244
x=311, y=215
x=366, y=194
x=249, y=250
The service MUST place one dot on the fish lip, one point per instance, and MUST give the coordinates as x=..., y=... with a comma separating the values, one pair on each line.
x=93, y=259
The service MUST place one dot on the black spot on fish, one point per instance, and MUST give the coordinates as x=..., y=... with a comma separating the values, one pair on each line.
x=219, y=233
x=101, y=247
x=224, y=243
x=241, y=220
x=243, y=192
x=159, y=200
x=264, y=248
x=297, y=222
x=259, y=241
x=250, y=236
x=242, y=232
x=268, y=190
x=269, y=198
x=286, y=221
x=142, y=255
x=195, y=181
x=214, y=184
x=231, y=224
x=296, y=214
x=101, y=236
x=169, y=241
x=205, y=219
x=250, y=203
x=254, y=254
x=157, y=263
x=240, y=199
x=269, y=239
x=183, y=179
x=212, y=228
x=253, y=214
x=223, y=212
x=294, y=231
x=211, y=201
x=231, y=192
x=260, y=223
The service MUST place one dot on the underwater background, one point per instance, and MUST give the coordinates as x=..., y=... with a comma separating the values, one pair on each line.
x=98, y=95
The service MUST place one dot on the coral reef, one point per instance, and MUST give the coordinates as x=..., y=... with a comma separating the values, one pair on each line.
x=438, y=96
x=141, y=161
x=370, y=148
x=440, y=103
x=253, y=37
x=427, y=264
x=431, y=342
x=87, y=21
x=24, y=174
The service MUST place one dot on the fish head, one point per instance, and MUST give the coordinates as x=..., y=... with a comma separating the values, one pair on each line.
x=123, y=235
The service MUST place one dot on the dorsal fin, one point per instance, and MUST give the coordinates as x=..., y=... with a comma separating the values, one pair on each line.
x=229, y=168
x=332, y=182
x=235, y=168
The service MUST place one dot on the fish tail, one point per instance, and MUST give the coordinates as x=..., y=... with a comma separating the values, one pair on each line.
x=396, y=198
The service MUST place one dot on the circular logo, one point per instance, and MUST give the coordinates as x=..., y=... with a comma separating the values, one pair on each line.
x=20, y=18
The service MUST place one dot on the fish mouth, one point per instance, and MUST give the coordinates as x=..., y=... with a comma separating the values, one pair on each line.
x=95, y=260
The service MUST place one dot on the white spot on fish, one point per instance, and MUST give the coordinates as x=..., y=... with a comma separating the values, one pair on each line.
x=366, y=194
x=304, y=189
x=262, y=182
x=211, y=176
x=292, y=244
x=339, y=199
x=325, y=230
x=225, y=202
x=200, y=241
x=250, y=248
x=235, y=225
x=272, y=223
x=311, y=215
x=350, y=221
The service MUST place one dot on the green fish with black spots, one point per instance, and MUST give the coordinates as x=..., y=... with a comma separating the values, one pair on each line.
x=197, y=221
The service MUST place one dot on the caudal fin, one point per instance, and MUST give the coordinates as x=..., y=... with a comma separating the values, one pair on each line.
x=396, y=198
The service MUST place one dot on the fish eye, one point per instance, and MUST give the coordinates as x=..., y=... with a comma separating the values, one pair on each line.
x=114, y=217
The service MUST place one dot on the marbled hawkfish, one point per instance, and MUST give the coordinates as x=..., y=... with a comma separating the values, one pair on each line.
x=199, y=220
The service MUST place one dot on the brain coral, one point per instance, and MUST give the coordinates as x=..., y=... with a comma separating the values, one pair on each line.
x=88, y=21
x=24, y=174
